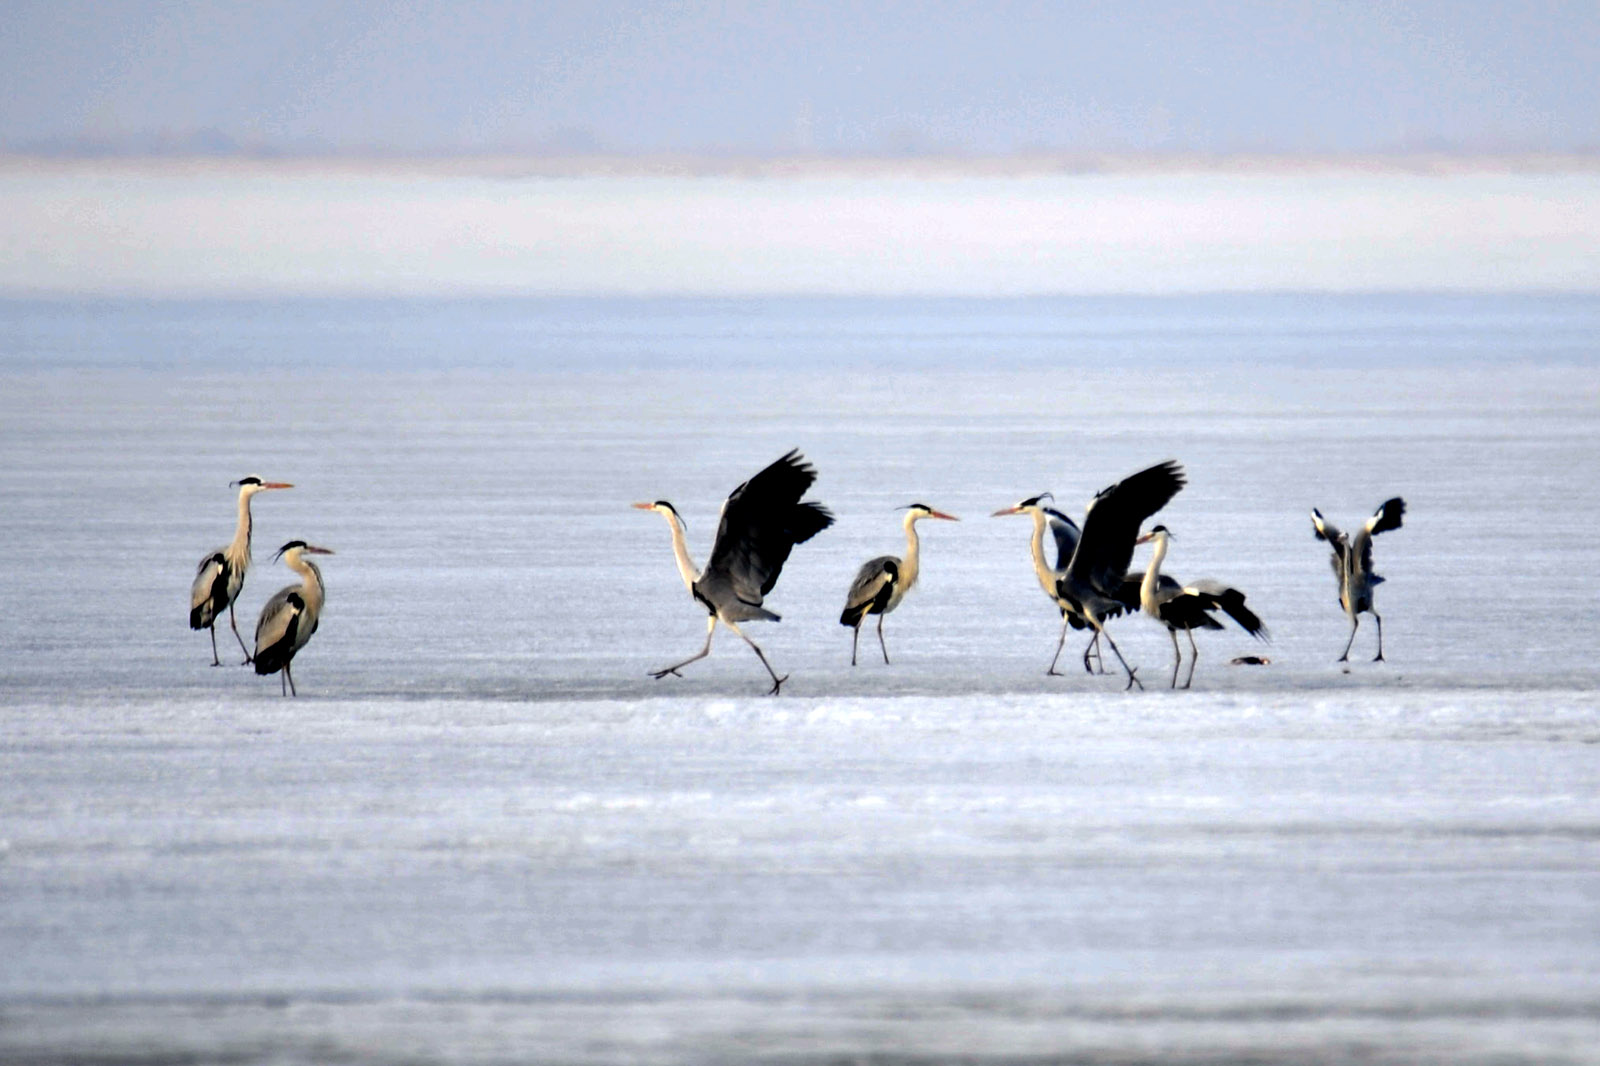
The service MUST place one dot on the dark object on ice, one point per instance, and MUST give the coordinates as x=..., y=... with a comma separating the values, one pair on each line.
x=220, y=576
x=290, y=617
x=1189, y=607
x=1250, y=660
x=1090, y=585
x=1352, y=565
x=762, y=521
x=883, y=582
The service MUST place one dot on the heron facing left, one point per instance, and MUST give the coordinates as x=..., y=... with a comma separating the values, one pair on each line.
x=762, y=520
x=221, y=573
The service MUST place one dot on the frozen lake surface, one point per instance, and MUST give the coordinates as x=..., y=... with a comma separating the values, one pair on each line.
x=483, y=834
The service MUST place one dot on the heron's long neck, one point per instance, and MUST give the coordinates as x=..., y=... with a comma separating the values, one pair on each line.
x=311, y=589
x=680, y=549
x=1041, y=569
x=1152, y=573
x=908, y=565
x=239, y=551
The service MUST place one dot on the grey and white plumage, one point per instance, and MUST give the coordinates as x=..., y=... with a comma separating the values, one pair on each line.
x=220, y=575
x=1064, y=534
x=1091, y=585
x=1352, y=565
x=882, y=583
x=1189, y=606
x=290, y=617
x=761, y=522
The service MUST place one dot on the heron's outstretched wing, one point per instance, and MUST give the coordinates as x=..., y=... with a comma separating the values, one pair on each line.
x=1066, y=533
x=1111, y=524
x=1385, y=518
x=1231, y=600
x=762, y=521
x=1326, y=530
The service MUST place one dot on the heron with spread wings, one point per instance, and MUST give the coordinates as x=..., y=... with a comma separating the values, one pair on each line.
x=1352, y=565
x=1092, y=585
x=762, y=520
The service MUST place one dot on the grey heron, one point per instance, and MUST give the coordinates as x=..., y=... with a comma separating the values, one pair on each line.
x=290, y=617
x=1188, y=607
x=762, y=520
x=1064, y=531
x=882, y=583
x=220, y=575
x=1352, y=565
x=1092, y=583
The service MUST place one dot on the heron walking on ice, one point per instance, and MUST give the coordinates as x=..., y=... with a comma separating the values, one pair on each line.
x=1064, y=531
x=883, y=582
x=762, y=520
x=1352, y=565
x=1189, y=607
x=1092, y=582
x=290, y=617
x=220, y=575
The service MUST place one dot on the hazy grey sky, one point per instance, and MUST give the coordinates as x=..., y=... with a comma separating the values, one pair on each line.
x=834, y=75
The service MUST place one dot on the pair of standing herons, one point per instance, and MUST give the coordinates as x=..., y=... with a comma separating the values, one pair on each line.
x=289, y=617
x=764, y=518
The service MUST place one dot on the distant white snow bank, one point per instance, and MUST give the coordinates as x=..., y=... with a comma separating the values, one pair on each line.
x=390, y=229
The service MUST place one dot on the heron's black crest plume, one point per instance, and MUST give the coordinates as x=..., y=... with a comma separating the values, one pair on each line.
x=286, y=547
x=250, y=480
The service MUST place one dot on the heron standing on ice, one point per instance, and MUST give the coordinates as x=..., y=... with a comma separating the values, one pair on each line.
x=1091, y=585
x=1189, y=607
x=290, y=617
x=762, y=520
x=883, y=582
x=221, y=573
x=1352, y=565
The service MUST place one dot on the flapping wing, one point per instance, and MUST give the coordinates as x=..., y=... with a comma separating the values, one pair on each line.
x=1327, y=531
x=1066, y=533
x=1385, y=518
x=1231, y=600
x=762, y=521
x=1112, y=523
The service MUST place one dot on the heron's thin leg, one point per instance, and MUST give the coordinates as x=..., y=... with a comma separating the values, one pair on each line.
x=1093, y=648
x=213, y=627
x=1053, y=672
x=711, y=627
x=289, y=673
x=855, y=639
x=1177, y=655
x=248, y=658
x=881, y=644
x=777, y=682
x=1379, y=657
x=1355, y=624
x=1132, y=680
x=1194, y=657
